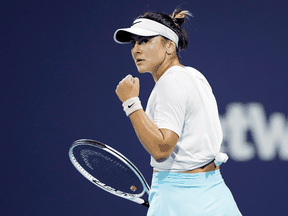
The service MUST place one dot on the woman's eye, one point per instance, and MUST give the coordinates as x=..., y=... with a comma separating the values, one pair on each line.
x=141, y=41
x=144, y=41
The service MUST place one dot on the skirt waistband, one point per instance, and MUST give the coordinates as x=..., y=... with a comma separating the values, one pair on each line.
x=195, y=179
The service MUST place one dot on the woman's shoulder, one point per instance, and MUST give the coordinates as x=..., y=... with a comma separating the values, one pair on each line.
x=184, y=73
x=187, y=75
x=177, y=77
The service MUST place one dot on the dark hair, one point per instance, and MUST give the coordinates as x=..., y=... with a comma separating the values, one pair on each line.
x=174, y=22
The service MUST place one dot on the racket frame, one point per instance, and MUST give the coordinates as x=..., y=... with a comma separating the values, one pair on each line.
x=133, y=197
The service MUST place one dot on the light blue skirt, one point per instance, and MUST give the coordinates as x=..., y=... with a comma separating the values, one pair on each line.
x=195, y=194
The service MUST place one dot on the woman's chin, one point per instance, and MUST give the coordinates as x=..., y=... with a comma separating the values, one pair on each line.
x=141, y=69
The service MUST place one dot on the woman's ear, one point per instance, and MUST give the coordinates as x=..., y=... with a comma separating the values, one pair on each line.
x=170, y=47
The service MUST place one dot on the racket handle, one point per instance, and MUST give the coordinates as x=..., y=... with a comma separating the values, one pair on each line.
x=141, y=201
x=145, y=204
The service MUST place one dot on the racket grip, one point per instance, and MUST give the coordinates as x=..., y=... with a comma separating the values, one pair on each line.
x=145, y=204
x=141, y=201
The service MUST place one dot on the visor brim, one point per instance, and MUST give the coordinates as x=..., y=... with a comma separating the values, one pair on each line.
x=124, y=35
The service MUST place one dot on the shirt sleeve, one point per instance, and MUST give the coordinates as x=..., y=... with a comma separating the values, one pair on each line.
x=170, y=105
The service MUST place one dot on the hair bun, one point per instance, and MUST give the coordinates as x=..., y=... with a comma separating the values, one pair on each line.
x=179, y=16
x=179, y=21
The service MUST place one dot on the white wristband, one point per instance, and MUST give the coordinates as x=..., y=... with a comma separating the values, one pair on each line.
x=131, y=105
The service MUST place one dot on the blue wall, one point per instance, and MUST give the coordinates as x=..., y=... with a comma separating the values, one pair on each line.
x=59, y=70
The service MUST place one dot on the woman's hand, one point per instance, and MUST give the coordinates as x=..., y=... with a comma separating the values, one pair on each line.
x=127, y=88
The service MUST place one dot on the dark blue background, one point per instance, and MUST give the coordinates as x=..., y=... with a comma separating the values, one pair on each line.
x=59, y=70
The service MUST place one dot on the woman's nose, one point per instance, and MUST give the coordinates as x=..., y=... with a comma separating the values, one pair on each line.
x=136, y=48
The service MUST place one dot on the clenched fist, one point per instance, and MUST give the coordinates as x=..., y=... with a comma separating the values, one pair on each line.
x=127, y=88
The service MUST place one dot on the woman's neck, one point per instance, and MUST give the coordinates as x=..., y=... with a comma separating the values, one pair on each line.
x=167, y=63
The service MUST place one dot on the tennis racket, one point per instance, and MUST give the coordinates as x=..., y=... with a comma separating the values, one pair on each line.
x=108, y=169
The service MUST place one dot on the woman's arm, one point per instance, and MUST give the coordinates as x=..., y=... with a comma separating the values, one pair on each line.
x=158, y=142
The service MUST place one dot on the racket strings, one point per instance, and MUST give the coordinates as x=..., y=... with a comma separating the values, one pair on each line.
x=85, y=156
x=108, y=169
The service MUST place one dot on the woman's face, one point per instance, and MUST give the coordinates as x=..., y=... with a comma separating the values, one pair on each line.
x=148, y=52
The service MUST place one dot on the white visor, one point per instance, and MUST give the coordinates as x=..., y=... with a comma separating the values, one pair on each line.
x=144, y=27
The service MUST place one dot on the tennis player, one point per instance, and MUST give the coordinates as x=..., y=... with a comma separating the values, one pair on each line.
x=180, y=128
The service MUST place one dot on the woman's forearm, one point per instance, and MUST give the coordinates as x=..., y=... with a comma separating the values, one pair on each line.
x=149, y=135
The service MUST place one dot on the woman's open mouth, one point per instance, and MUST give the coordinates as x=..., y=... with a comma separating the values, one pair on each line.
x=139, y=60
